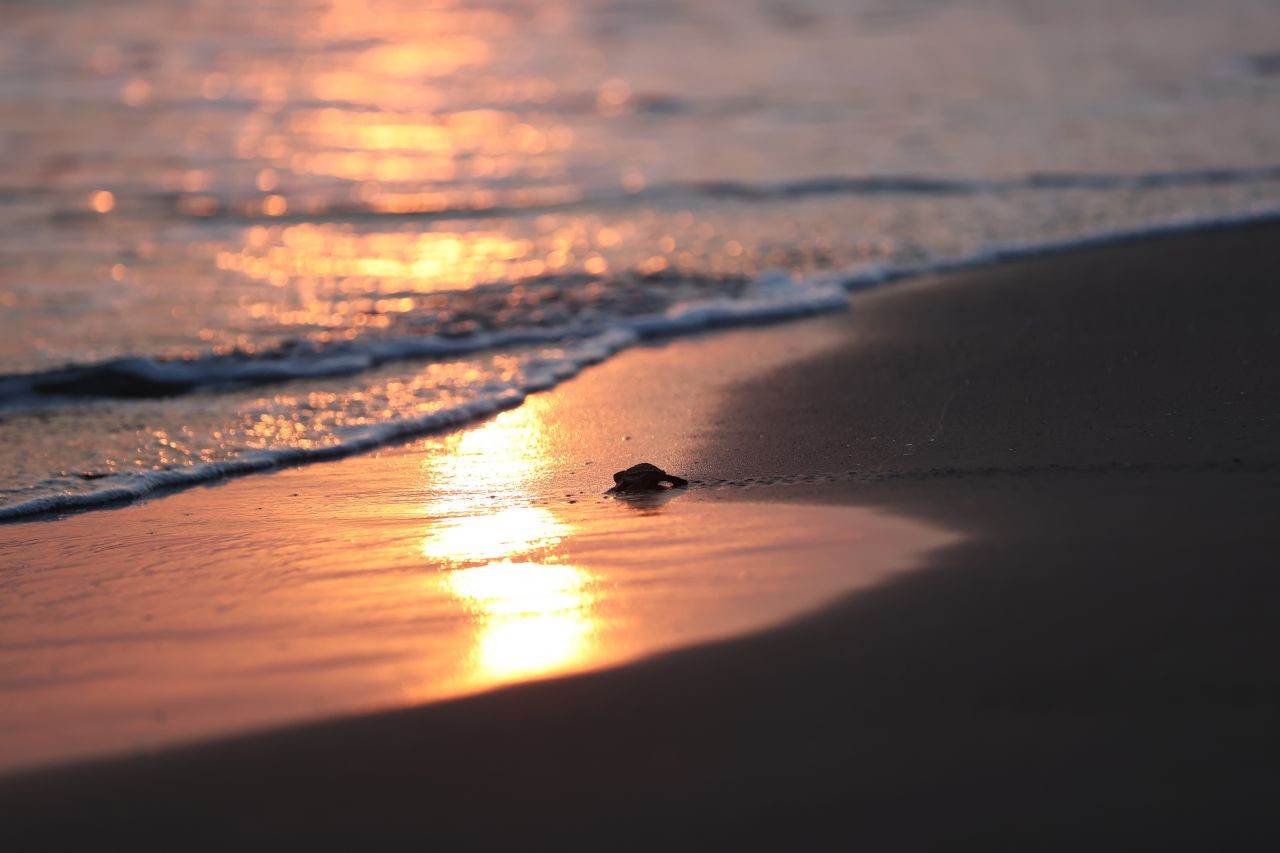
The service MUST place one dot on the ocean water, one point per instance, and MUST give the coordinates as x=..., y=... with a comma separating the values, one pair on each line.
x=237, y=234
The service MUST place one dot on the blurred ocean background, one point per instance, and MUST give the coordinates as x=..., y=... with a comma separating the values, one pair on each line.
x=235, y=234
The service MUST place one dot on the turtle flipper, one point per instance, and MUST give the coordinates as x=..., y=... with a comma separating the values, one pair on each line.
x=676, y=482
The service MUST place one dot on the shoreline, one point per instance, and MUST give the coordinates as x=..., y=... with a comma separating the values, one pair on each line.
x=818, y=295
x=1085, y=668
x=446, y=567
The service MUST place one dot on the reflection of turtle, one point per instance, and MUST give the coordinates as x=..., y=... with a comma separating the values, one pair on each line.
x=645, y=478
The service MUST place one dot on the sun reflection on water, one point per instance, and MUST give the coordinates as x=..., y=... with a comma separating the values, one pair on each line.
x=493, y=535
x=499, y=556
x=382, y=107
x=534, y=617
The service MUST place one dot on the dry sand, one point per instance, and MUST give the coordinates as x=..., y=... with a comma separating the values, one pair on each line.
x=1091, y=668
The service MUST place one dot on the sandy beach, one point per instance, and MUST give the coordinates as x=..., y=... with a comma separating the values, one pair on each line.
x=1079, y=659
x=456, y=563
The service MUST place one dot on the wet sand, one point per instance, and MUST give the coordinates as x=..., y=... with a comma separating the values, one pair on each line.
x=1089, y=667
x=452, y=565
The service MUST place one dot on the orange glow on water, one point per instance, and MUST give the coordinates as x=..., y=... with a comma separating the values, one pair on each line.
x=502, y=558
x=533, y=644
x=275, y=205
x=517, y=589
x=385, y=119
x=508, y=532
x=398, y=578
x=102, y=201
x=394, y=261
x=531, y=617
x=413, y=111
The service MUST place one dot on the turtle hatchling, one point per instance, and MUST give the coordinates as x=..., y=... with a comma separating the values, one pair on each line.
x=645, y=478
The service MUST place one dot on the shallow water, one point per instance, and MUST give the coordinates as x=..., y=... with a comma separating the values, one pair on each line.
x=461, y=562
x=287, y=230
x=221, y=630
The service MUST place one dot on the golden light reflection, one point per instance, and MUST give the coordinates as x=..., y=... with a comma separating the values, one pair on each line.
x=520, y=589
x=511, y=531
x=388, y=120
x=533, y=617
x=102, y=201
x=532, y=645
x=417, y=108
x=383, y=261
x=410, y=110
x=498, y=552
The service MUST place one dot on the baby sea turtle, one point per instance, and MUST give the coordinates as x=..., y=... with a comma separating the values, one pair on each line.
x=645, y=478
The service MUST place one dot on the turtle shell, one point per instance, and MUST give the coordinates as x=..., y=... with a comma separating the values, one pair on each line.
x=637, y=470
x=645, y=477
